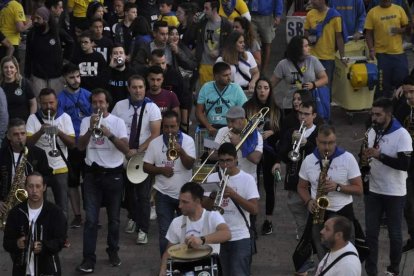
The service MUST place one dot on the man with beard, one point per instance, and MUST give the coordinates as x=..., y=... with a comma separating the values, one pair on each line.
x=119, y=75
x=74, y=100
x=44, y=53
x=52, y=130
x=166, y=100
x=389, y=150
x=342, y=255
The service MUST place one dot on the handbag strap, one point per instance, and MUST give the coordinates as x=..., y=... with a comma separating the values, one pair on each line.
x=337, y=260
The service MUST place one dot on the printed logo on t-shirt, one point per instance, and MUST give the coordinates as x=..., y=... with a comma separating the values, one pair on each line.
x=103, y=51
x=88, y=69
x=52, y=41
x=18, y=92
x=168, y=163
x=98, y=141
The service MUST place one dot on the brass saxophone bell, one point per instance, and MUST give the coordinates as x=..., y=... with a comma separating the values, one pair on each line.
x=21, y=195
x=323, y=202
x=172, y=153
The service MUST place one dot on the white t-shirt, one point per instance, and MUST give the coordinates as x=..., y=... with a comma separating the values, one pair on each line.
x=245, y=185
x=102, y=151
x=245, y=67
x=156, y=154
x=243, y=163
x=342, y=168
x=63, y=123
x=124, y=110
x=349, y=265
x=182, y=227
x=33, y=215
x=384, y=179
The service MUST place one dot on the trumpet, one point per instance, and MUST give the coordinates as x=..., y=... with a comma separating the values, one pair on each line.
x=172, y=153
x=294, y=154
x=54, y=152
x=220, y=194
x=97, y=131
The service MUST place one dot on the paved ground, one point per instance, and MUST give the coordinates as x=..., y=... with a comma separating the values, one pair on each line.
x=274, y=251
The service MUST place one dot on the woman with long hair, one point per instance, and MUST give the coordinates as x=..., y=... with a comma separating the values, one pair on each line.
x=299, y=70
x=187, y=29
x=21, y=100
x=270, y=129
x=97, y=10
x=244, y=26
x=244, y=69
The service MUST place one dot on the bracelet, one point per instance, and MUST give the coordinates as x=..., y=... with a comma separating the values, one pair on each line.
x=111, y=137
x=314, y=85
x=90, y=130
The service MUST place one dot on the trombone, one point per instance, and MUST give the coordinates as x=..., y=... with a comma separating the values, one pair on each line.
x=294, y=154
x=97, y=131
x=252, y=124
x=54, y=152
x=220, y=194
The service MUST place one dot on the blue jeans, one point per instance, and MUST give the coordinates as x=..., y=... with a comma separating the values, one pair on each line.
x=392, y=70
x=235, y=257
x=99, y=188
x=167, y=209
x=330, y=69
x=375, y=206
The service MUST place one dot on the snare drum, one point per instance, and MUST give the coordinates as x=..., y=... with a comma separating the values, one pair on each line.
x=206, y=266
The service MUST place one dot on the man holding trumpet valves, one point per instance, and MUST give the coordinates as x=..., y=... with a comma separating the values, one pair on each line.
x=35, y=232
x=52, y=130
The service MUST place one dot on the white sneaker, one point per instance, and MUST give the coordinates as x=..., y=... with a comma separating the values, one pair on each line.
x=153, y=215
x=131, y=227
x=142, y=237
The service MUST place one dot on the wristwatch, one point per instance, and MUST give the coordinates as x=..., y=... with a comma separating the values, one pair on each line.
x=203, y=239
x=338, y=188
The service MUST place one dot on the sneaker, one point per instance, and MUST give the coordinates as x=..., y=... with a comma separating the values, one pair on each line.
x=408, y=246
x=86, y=267
x=267, y=227
x=142, y=237
x=114, y=258
x=153, y=215
x=131, y=227
x=76, y=222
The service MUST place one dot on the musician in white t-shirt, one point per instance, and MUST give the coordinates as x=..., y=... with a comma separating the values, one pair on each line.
x=343, y=180
x=103, y=180
x=141, y=131
x=50, y=121
x=236, y=254
x=196, y=226
x=170, y=175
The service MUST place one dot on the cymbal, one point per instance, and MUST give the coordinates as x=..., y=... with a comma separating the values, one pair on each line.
x=183, y=252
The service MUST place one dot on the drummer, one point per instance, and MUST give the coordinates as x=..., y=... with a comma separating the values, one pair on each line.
x=196, y=226
x=142, y=118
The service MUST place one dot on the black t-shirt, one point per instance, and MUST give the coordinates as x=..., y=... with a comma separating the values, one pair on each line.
x=118, y=84
x=93, y=70
x=104, y=46
x=18, y=99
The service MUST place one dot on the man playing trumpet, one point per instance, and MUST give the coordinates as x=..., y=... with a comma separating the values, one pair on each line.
x=170, y=159
x=341, y=180
x=52, y=130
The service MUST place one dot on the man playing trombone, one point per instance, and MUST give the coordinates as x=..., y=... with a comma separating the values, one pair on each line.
x=35, y=232
x=169, y=158
x=52, y=130
x=240, y=197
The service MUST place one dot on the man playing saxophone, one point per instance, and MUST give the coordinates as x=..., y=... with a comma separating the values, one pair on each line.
x=52, y=130
x=340, y=180
x=11, y=160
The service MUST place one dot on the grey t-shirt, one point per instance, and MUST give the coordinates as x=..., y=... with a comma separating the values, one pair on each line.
x=285, y=70
x=211, y=41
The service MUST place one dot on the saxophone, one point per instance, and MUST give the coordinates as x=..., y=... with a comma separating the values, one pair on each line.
x=322, y=201
x=17, y=193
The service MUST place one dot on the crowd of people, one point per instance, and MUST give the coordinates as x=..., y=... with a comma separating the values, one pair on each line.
x=105, y=89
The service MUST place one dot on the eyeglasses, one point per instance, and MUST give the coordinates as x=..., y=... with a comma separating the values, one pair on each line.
x=304, y=113
x=229, y=160
x=84, y=42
